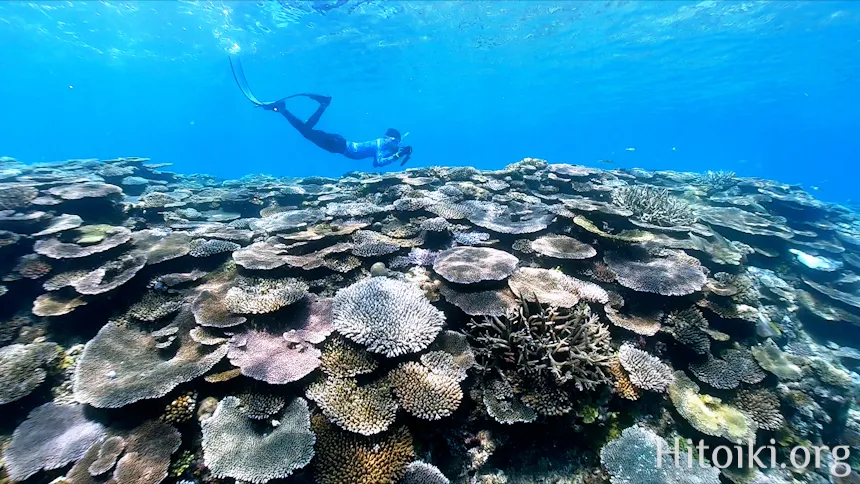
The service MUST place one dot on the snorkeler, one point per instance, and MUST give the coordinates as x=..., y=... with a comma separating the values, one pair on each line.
x=384, y=151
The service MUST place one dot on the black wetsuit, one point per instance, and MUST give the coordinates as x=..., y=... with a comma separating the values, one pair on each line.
x=384, y=150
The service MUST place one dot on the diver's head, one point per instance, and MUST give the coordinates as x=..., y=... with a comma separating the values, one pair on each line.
x=392, y=133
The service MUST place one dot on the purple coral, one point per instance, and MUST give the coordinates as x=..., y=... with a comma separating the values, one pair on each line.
x=51, y=437
x=271, y=358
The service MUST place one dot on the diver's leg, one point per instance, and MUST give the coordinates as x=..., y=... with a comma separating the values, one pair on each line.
x=297, y=123
x=315, y=117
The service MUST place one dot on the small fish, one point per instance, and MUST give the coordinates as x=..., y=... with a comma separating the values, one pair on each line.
x=631, y=149
x=673, y=148
x=608, y=162
x=814, y=187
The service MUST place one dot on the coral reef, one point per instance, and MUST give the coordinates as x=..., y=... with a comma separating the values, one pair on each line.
x=516, y=325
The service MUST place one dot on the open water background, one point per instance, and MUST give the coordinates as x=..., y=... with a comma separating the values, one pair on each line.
x=766, y=89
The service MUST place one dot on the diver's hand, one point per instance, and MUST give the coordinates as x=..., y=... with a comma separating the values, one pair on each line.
x=404, y=154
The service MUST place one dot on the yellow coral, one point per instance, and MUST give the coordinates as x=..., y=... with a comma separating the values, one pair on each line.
x=709, y=414
x=623, y=386
x=180, y=410
x=343, y=457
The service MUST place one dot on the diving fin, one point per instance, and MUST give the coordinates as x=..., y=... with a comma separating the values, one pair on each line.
x=242, y=82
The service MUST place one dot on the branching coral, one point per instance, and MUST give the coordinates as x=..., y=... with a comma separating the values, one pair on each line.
x=387, y=316
x=654, y=205
x=424, y=393
x=343, y=457
x=762, y=407
x=645, y=371
x=571, y=346
x=366, y=409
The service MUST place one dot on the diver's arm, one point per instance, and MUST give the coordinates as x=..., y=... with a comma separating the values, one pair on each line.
x=378, y=162
x=403, y=154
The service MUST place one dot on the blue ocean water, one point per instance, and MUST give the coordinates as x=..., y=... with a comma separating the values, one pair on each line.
x=766, y=89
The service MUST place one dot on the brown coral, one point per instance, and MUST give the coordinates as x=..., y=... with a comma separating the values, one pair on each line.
x=343, y=457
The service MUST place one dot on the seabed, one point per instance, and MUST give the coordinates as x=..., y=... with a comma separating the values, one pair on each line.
x=543, y=323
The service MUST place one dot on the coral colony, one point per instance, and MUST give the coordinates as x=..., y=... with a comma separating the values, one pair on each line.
x=540, y=323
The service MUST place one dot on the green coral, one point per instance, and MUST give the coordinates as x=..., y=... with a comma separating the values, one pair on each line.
x=181, y=463
x=588, y=414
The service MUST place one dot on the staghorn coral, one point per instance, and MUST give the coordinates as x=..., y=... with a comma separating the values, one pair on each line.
x=343, y=457
x=553, y=287
x=423, y=393
x=762, y=407
x=147, y=453
x=51, y=437
x=469, y=265
x=708, y=414
x=645, y=371
x=343, y=359
x=22, y=368
x=234, y=447
x=669, y=276
x=387, y=316
x=633, y=457
x=122, y=364
x=260, y=406
x=254, y=295
x=654, y=205
x=364, y=409
x=420, y=472
x=571, y=346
